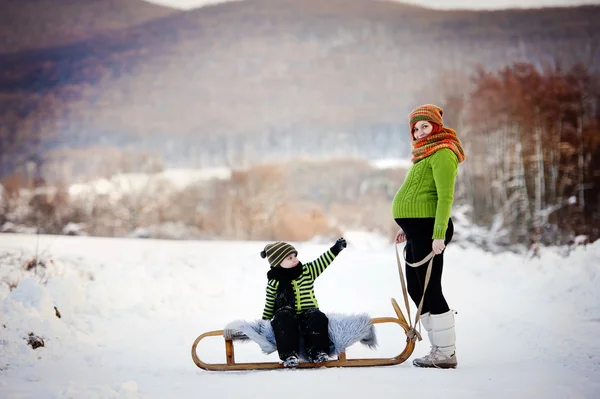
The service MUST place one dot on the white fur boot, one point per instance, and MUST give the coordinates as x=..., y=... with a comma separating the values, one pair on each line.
x=443, y=342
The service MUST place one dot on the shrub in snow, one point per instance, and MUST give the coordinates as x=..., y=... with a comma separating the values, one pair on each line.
x=17, y=267
x=10, y=227
x=34, y=341
x=74, y=229
x=139, y=232
x=7, y=227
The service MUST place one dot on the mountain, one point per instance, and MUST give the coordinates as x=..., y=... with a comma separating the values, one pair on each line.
x=34, y=24
x=239, y=82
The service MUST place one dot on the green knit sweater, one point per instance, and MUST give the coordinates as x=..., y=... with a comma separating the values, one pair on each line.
x=428, y=190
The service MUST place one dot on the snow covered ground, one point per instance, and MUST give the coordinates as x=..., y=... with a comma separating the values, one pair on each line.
x=130, y=310
x=124, y=183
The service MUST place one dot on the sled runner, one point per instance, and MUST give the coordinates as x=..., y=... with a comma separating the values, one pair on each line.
x=233, y=334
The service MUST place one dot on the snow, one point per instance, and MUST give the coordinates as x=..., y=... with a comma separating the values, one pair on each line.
x=366, y=240
x=130, y=310
x=122, y=183
x=391, y=163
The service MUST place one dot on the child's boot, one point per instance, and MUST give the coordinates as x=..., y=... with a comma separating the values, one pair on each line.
x=291, y=361
x=320, y=357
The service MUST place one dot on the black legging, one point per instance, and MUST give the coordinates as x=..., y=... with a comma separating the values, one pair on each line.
x=311, y=323
x=418, y=245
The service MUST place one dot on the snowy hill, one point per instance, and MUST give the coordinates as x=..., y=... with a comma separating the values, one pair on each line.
x=130, y=310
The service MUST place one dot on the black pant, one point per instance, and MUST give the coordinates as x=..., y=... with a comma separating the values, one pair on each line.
x=418, y=245
x=287, y=327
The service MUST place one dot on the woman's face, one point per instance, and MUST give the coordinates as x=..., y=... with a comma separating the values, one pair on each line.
x=422, y=129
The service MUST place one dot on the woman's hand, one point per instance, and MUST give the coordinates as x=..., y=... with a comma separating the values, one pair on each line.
x=400, y=236
x=438, y=246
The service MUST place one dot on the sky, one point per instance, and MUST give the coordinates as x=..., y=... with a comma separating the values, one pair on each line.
x=441, y=4
x=130, y=310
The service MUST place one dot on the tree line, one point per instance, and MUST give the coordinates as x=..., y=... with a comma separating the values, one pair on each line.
x=533, y=140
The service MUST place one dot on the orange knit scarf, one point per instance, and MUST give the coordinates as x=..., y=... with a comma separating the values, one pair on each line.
x=427, y=146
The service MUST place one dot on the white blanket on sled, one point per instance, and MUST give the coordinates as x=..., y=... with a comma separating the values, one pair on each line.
x=344, y=331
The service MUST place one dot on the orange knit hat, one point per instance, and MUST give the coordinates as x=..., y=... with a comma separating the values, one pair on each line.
x=426, y=112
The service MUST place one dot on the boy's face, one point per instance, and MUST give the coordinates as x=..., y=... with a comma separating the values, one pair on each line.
x=289, y=262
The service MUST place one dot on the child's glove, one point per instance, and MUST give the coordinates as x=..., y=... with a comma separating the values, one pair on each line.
x=339, y=245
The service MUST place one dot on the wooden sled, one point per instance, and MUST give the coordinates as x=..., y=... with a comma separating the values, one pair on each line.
x=411, y=336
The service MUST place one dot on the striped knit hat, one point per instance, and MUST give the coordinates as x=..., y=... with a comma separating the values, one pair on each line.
x=427, y=112
x=277, y=252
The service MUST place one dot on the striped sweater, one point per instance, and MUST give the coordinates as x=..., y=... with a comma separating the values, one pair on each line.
x=303, y=286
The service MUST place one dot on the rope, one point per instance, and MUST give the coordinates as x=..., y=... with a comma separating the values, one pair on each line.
x=429, y=258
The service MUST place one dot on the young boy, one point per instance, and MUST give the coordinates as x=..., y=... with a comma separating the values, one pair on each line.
x=291, y=304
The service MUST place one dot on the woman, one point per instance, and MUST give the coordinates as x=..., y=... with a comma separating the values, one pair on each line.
x=422, y=208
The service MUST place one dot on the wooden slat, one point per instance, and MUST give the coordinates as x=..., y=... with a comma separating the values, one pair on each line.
x=229, y=352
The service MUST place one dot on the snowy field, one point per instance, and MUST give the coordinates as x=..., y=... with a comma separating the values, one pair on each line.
x=130, y=310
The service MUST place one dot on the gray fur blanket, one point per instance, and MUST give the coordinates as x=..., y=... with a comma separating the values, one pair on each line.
x=344, y=331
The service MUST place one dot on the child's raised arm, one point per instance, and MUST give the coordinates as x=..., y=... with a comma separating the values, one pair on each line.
x=316, y=267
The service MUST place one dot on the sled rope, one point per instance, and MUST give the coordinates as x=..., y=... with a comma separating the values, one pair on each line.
x=429, y=258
